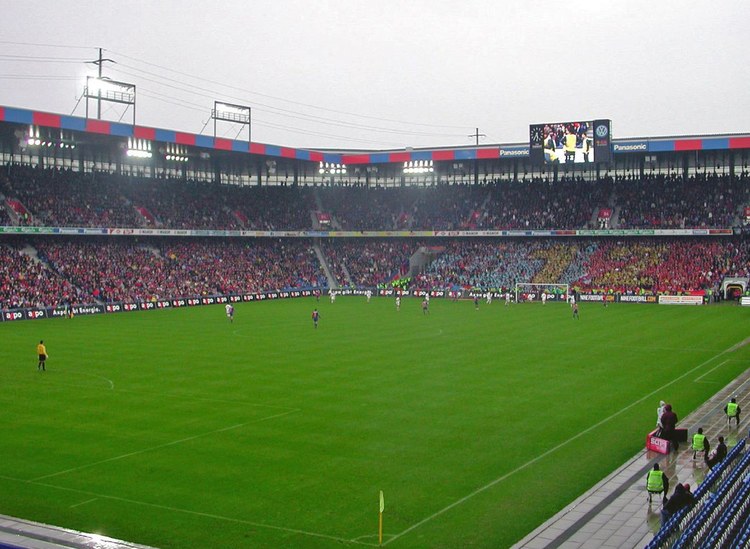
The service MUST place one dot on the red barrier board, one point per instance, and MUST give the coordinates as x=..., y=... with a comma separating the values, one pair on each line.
x=656, y=444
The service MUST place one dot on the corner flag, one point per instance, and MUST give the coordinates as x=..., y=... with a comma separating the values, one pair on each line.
x=380, y=519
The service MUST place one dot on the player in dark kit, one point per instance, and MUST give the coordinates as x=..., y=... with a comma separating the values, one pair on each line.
x=315, y=318
x=575, y=310
x=476, y=302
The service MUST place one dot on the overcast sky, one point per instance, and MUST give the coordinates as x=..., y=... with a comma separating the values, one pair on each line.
x=391, y=74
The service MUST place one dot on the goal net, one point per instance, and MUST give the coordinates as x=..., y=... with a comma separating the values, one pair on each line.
x=527, y=291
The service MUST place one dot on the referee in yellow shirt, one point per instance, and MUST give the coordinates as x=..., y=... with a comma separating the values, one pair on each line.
x=42, y=352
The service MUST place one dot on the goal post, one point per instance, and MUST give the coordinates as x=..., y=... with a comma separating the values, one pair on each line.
x=532, y=291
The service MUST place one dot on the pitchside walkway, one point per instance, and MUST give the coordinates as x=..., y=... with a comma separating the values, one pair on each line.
x=615, y=513
x=24, y=534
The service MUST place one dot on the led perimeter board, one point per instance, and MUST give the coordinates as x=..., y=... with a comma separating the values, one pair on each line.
x=571, y=142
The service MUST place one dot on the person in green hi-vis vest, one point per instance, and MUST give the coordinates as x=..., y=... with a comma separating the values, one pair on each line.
x=657, y=483
x=732, y=410
x=700, y=443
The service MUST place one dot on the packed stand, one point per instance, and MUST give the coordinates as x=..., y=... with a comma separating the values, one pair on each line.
x=663, y=265
x=538, y=204
x=671, y=202
x=106, y=269
x=234, y=267
x=369, y=264
x=178, y=204
x=448, y=207
x=132, y=271
x=481, y=264
x=4, y=217
x=555, y=261
x=277, y=208
x=26, y=283
x=441, y=207
x=669, y=265
x=114, y=270
x=57, y=197
x=66, y=198
x=363, y=208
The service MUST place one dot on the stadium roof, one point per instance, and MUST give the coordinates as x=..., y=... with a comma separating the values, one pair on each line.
x=483, y=152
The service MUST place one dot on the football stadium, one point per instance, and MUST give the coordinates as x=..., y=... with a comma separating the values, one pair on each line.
x=215, y=341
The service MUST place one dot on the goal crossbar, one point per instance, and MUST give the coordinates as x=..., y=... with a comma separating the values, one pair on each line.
x=536, y=289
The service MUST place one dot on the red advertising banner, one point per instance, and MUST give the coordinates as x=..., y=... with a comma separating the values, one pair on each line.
x=656, y=444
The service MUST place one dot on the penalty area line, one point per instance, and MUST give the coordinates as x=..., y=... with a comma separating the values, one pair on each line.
x=191, y=512
x=160, y=446
x=82, y=503
x=209, y=399
x=555, y=448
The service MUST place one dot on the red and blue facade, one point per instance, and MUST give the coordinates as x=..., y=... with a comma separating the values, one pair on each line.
x=118, y=129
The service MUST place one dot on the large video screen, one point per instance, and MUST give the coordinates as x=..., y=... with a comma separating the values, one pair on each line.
x=563, y=142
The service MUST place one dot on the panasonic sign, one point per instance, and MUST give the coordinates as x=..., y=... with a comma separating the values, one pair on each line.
x=631, y=147
x=514, y=152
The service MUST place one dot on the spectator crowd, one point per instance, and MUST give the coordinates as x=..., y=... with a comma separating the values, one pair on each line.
x=47, y=271
x=54, y=270
x=60, y=198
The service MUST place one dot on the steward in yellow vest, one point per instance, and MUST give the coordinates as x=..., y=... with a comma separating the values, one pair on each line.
x=732, y=410
x=700, y=443
x=657, y=483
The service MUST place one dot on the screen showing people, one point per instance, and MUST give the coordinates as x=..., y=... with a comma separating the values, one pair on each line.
x=568, y=143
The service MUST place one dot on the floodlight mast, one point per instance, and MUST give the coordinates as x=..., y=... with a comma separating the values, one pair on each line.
x=108, y=90
x=99, y=63
x=111, y=91
x=236, y=114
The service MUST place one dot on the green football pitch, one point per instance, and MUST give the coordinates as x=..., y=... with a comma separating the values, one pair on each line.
x=177, y=428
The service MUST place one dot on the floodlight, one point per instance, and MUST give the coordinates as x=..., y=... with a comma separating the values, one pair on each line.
x=104, y=89
x=236, y=114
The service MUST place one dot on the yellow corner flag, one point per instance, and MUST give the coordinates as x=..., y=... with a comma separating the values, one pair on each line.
x=380, y=519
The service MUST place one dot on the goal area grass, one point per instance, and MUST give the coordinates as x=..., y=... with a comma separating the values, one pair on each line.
x=177, y=428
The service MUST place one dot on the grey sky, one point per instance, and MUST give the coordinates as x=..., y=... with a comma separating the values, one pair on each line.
x=429, y=72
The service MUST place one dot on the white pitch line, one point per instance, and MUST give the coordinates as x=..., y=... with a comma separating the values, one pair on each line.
x=82, y=503
x=109, y=381
x=209, y=399
x=554, y=449
x=366, y=536
x=194, y=513
x=711, y=370
x=165, y=445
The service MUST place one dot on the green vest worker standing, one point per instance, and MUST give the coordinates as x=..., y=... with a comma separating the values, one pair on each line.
x=732, y=410
x=657, y=483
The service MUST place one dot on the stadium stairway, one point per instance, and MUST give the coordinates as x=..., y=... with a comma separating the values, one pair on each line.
x=332, y=284
x=615, y=513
